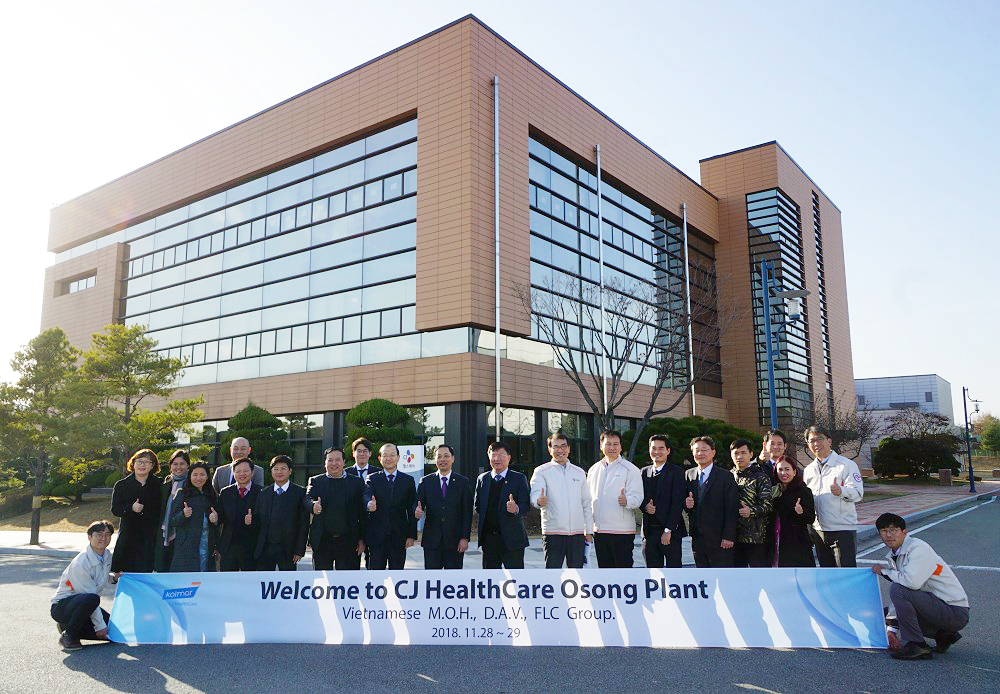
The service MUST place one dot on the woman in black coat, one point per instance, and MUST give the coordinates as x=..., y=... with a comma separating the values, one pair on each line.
x=136, y=500
x=195, y=521
x=795, y=511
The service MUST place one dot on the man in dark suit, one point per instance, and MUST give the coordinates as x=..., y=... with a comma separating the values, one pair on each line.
x=361, y=450
x=238, y=541
x=391, y=498
x=712, y=507
x=223, y=476
x=502, y=500
x=281, y=520
x=445, y=498
x=337, y=502
x=664, y=489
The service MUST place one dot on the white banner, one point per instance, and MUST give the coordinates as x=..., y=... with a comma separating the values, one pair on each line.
x=663, y=608
x=411, y=461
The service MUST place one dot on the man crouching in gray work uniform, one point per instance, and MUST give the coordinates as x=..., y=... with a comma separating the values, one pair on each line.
x=926, y=596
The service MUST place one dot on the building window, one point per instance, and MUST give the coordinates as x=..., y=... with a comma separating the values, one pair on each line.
x=861, y=401
x=928, y=396
x=643, y=256
x=289, y=272
x=78, y=285
x=774, y=225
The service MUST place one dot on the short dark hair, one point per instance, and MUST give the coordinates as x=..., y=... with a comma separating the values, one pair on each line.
x=703, y=439
x=738, y=443
x=451, y=449
x=555, y=435
x=241, y=461
x=207, y=489
x=498, y=446
x=608, y=433
x=180, y=453
x=278, y=459
x=771, y=433
x=334, y=449
x=360, y=441
x=816, y=429
x=890, y=520
x=143, y=453
x=100, y=526
x=659, y=437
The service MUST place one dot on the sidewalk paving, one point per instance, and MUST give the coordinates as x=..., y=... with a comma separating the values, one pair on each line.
x=913, y=502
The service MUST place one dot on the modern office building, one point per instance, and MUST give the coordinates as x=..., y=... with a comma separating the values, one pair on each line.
x=926, y=392
x=342, y=245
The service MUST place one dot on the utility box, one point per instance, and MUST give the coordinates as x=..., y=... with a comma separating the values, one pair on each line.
x=944, y=477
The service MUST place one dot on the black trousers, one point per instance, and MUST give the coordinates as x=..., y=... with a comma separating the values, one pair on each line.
x=238, y=558
x=559, y=548
x=441, y=558
x=659, y=555
x=275, y=556
x=391, y=554
x=496, y=555
x=835, y=548
x=74, y=615
x=336, y=552
x=750, y=554
x=710, y=555
x=614, y=551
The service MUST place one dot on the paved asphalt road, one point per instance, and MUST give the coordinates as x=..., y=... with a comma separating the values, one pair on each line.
x=30, y=660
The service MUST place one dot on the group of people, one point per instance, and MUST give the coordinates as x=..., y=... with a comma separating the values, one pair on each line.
x=766, y=511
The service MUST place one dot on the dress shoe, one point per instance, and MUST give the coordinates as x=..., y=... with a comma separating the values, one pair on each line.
x=945, y=640
x=69, y=644
x=913, y=651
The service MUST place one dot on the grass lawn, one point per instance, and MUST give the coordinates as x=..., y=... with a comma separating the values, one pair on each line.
x=60, y=514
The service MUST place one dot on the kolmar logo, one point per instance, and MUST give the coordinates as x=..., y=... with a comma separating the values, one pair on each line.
x=181, y=593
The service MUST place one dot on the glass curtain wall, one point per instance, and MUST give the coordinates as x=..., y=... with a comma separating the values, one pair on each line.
x=643, y=251
x=775, y=229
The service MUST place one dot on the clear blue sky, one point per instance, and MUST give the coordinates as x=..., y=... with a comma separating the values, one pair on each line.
x=892, y=107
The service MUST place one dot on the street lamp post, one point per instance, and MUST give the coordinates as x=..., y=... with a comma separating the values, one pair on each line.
x=767, y=282
x=968, y=439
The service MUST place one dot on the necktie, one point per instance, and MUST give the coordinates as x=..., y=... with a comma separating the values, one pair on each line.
x=392, y=478
x=279, y=491
x=701, y=481
x=497, y=478
x=444, y=486
x=243, y=492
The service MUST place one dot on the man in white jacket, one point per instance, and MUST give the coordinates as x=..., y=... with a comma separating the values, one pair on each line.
x=76, y=605
x=559, y=488
x=926, y=597
x=836, y=484
x=616, y=489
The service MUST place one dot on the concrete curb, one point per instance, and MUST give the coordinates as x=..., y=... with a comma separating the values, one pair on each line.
x=870, y=531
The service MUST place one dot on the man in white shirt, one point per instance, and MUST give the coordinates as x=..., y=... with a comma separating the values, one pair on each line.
x=836, y=484
x=926, y=596
x=559, y=488
x=615, y=489
x=76, y=605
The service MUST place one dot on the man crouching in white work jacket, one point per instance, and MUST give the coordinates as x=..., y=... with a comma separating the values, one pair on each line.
x=559, y=488
x=835, y=482
x=926, y=597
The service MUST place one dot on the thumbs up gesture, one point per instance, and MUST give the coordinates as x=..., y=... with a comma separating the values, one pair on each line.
x=137, y=507
x=744, y=510
x=511, y=504
x=543, y=500
x=372, y=505
x=835, y=488
x=651, y=508
x=248, y=519
x=187, y=510
x=798, y=507
x=213, y=517
x=419, y=513
x=689, y=502
x=317, y=507
x=621, y=498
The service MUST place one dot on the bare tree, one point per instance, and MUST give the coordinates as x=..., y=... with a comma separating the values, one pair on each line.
x=849, y=427
x=644, y=341
x=911, y=423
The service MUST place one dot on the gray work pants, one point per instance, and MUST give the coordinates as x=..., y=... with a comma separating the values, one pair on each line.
x=923, y=614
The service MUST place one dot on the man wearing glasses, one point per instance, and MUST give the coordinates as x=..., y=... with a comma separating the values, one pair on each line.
x=559, y=488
